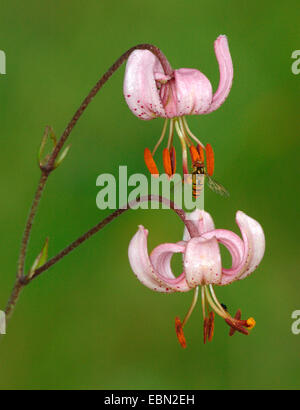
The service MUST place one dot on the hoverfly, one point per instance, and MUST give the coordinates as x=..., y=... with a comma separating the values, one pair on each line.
x=200, y=172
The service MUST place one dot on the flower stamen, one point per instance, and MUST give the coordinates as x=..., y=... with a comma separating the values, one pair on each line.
x=167, y=162
x=184, y=149
x=179, y=326
x=201, y=153
x=173, y=159
x=194, y=154
x=190, y=133
x=205, y=329
x=150, y=163
x=210, y=160
x=179, y=332
x=190, y=311
x=211, y=326
x=236, y=324
x=161, y=137
x=183, y=132
x=171, y=134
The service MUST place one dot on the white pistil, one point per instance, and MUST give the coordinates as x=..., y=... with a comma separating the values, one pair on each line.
x=171, y=134
x=216, y=300
x=186, y=137
x=184, y=150
x=203, y=300
x=213, y=306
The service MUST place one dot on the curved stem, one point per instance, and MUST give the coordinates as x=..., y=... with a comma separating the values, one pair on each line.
x=29, y=223
x=190, y=226
x=21, y=282
x=13, y=298
x=50, y=166
x=156, y=51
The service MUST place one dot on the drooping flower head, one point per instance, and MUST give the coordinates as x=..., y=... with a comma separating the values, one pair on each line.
x=151, y=93
x=202, y=266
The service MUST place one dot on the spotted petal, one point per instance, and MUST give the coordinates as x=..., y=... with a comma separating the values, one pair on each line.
x=202, y=262
x=143, y=69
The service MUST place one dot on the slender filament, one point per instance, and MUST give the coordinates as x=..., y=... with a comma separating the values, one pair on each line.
x=203, y=300
x=190, y=133
x=161, y=137
x=184, y=149
x=213, y=306
x=171, y=133
x=195, y=298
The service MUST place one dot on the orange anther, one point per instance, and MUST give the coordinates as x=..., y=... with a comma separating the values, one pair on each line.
x=167, y=162
x=179, y=332
x=200, y=152
x=150, y=163
x=211, y=326
x=173, y=159
x=210, y=159
x=194, y=154
x=205, y=329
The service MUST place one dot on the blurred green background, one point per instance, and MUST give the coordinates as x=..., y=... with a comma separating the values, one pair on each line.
x=88, y=323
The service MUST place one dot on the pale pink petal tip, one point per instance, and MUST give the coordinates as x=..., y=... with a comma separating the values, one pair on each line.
x=254, y=233
x=146, y=271
x=247, y=253
x=226, y=73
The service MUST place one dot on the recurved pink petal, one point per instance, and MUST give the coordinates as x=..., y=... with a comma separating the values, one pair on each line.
x=140, y=262
x=226, y=73
x=250, y=251
x=254, y=241
x=143, y=69
x=161, y=261
x=202, y=262
x=202, y=220
x=235, y=246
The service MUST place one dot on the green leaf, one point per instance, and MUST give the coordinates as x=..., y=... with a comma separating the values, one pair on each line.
x=62, y=156
x=43, y=143
x=40, y=259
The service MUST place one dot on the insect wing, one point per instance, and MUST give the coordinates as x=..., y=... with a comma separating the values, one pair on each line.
x=216, y=187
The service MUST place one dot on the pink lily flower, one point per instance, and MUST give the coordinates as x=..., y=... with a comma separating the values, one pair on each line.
x=202, y=266
x=151, y=93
